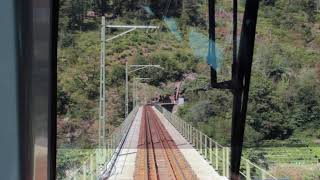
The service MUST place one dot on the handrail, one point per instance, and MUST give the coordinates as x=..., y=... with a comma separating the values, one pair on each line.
x=106, y=172
x=102, y=159
x=216, y=154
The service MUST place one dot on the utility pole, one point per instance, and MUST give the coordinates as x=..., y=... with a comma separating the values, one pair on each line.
x=127, y=93
x=134, y=93
x=131, y=28
x=102, y=99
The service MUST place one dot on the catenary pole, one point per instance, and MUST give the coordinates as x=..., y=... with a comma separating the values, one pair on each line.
x=102, y=111
x=127, y=94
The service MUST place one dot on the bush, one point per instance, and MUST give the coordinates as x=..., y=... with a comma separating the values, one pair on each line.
x=264, y=112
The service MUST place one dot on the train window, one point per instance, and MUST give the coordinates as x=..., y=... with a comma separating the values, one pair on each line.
x=169, y=89
x=234, y=83
x=110, y=63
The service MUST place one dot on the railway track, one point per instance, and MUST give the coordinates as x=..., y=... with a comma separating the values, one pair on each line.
x=158, y=156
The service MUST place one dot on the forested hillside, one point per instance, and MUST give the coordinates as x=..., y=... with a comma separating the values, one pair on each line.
x=284, y=104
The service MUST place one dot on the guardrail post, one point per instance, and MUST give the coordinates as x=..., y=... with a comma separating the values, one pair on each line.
x=108, y=149
x=84, y=172
x=263, y=175
x=227, y=161
x=217, y=156
x=211, y=149
x=186, y=130
x=195, y=137
x=200, y=134
x=173, y=121
x=97, y=160
x=223, y=162
x=248, y=171
x=104, y=156
x=198, y=141
x=180, y=126
x=91, y=169
x=206, y=146
x=183, y=129
x=192, y=136
x=112, y=144
x=171, y=117
x=177, y=124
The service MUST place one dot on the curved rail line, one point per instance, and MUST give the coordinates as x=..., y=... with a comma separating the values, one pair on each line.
x=158, y=156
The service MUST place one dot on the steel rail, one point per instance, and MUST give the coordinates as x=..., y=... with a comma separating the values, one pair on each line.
x=159, y=152
x=161, y=142
x=153, y=169
x=170, y=153
x=146, y=157
x=220, y=160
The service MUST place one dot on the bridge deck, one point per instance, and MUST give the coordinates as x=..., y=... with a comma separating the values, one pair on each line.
x=125, y=165
x=199, y=165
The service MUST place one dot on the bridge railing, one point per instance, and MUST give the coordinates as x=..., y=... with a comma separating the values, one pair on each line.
x=217, y=155
x=101, y=161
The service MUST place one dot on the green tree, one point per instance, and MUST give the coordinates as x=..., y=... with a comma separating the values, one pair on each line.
x=192, y=13
x=63, y=101
x=306, y=99
x=310, y=7
x=264, y=113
